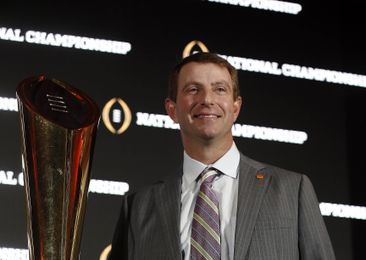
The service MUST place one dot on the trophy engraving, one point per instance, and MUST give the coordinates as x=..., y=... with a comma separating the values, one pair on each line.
x=58, y=128
x=57, y=103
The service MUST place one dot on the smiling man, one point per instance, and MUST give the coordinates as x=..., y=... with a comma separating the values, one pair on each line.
x=205, y=106
x=221, y=204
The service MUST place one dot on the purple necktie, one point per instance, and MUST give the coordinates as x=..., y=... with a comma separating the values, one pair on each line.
x=205, y=238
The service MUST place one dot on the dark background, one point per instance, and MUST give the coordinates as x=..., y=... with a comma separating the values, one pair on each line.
x=323, y=35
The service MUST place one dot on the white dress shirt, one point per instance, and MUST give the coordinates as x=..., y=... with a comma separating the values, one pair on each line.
x=226, y=190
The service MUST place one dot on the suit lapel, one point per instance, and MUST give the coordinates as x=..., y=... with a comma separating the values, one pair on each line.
x=167, y=197
x=252, y=186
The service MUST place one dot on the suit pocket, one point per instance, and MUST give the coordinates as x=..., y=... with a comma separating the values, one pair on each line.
x=275, y=223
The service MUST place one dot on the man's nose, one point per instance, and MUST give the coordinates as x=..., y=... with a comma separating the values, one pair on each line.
x=207, y=97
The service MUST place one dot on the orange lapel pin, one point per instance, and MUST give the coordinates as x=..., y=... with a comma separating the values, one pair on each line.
x=260, y=176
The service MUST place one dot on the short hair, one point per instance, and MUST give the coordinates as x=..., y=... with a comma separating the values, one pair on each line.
x=202, y=57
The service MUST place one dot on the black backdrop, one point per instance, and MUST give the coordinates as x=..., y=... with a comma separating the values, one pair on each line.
x=323, y=35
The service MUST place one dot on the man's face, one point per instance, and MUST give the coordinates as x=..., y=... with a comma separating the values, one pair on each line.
x=205, y=108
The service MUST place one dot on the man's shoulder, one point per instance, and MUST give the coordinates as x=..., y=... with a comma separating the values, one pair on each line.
x=269, y=169
x=168, y=184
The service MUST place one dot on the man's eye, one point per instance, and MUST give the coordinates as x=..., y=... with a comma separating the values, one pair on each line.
x=221, y=89
x=192, y=89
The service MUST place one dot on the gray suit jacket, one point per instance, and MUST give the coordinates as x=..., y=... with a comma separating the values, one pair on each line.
x=278, y=217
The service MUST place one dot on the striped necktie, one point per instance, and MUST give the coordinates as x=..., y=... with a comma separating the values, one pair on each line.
x=205, y=237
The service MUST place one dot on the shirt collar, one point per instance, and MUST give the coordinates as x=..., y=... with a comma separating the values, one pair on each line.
x=227, y=164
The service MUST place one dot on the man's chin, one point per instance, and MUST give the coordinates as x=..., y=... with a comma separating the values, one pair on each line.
x=208, y=136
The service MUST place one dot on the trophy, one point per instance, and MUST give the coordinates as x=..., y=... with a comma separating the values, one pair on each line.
x=58, y=128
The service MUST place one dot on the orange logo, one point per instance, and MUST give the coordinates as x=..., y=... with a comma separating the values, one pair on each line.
x=116, y=115
x=192, y=46
x=105, y=253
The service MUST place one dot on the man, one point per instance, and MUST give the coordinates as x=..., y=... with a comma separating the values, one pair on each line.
x=250, y=210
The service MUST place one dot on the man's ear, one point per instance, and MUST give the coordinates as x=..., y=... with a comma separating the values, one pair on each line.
x=170, y=109
x=237, y=106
